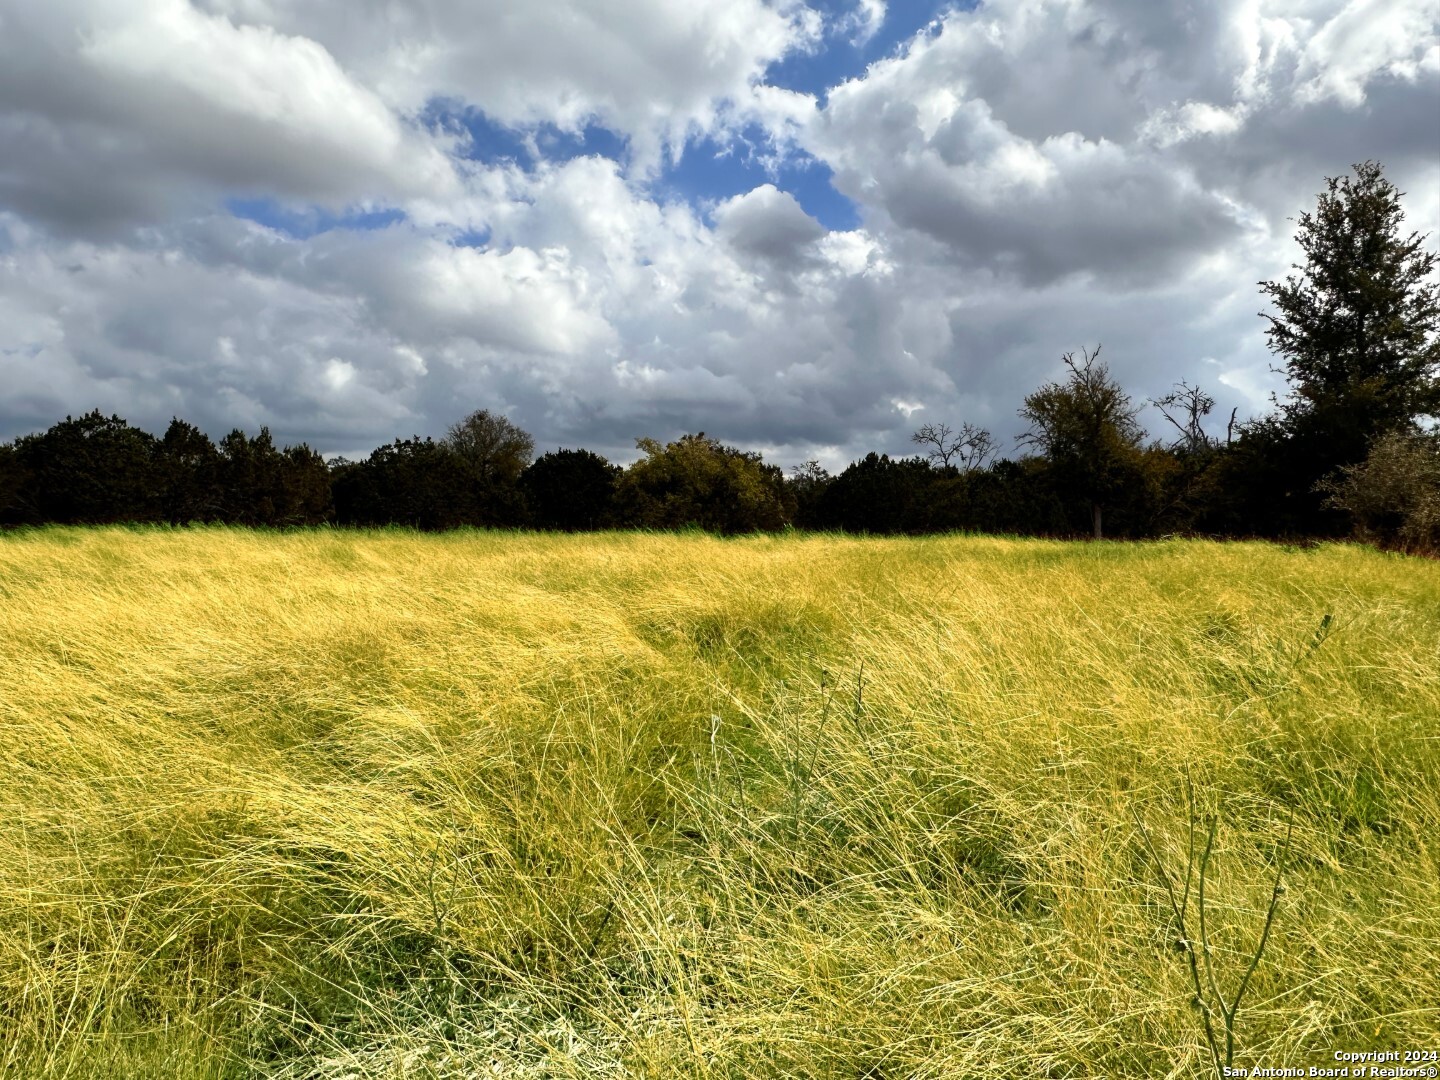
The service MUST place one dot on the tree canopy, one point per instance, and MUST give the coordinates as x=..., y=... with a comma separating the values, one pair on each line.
x=699, y=481
x=1356, y=326
x=494, y=450
x=1086, y=427
x=571, y=490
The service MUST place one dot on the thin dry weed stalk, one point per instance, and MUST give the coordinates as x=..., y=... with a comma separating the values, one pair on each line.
x=1208, y=998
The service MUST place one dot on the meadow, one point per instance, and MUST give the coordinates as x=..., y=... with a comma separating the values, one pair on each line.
x=327, y=804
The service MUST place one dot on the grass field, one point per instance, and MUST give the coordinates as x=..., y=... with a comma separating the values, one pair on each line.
x=351, y=805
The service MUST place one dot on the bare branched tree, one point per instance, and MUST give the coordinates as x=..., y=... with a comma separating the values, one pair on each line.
x=978, y=448
x=940, y=438
x=1186, y=408
x=809, y=474
x=970, y=448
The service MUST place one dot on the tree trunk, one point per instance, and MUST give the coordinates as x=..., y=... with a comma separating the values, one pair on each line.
x=1095, y=514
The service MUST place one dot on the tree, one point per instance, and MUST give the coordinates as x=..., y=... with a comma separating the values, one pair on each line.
x=572, y=490
x=416, y=482
x=699, y=481
x=189, y=470
x=250, y=484
x=1186, y=407
x=91, y=470
x=1185, y=476
x=305, y=480
x=12, y=484
x=969, y=449
x=494, y=453
x=263, y=485
x=491, y=447
x=807, y=483
x=1356, y=327
x=1015, y=497
x=943, y=442
x=879, y=494
x=1087, y=430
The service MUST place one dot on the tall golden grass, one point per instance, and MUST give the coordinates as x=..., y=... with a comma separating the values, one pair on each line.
x=333, y=804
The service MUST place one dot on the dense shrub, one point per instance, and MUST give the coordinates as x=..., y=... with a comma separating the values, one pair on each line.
x=697, y=481
x=1393, y=496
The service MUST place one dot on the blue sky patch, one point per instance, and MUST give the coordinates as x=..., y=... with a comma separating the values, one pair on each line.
x=709, y=173
x=301, y=223
x=839, y=58
x=476, y=238
x=493, y=143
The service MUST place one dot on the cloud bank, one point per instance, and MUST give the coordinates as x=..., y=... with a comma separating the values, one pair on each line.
x=278, y=212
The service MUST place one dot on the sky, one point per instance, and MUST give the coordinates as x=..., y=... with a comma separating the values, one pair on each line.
x=803, y=228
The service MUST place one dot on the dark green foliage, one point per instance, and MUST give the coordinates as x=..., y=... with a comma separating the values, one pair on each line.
x=306, y=478
x=1016, y=497
x=1263, y=486
x=190, y=475
x=697, y=481
x=250, y=477
x=883, y=496
x=92, y=470
x=261, y=485
x=416, y=482
x=807, y=484
x=878, y=494
x=573, y=490
x=1356, y=328
x=98, y=470
x=13, y=485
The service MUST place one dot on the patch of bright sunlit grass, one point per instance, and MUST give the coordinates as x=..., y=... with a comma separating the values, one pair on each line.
x=333, y=804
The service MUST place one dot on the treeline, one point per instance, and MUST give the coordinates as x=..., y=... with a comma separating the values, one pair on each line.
x=100, y=470
x=1348, y=450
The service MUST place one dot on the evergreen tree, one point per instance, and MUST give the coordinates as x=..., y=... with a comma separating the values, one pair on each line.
x=305, y=487
x=877, y=494
x=807, y=483
x=12, y=486
x=1357, y=326
x=416, y=482
x=570, y=489
x=251, y=480
x=90, y=470
x=189, y=471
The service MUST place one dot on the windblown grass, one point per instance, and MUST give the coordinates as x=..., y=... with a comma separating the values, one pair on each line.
x=355, y=805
